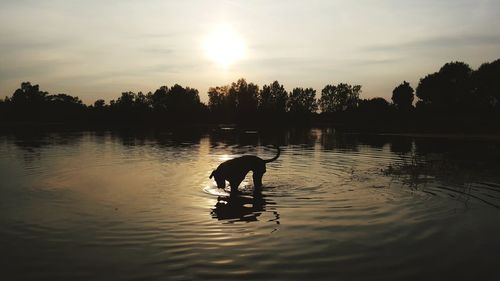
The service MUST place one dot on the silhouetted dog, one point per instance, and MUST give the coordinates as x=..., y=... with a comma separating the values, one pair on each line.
x=235, y=170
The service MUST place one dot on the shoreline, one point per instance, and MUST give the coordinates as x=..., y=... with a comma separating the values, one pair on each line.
x=13, y=127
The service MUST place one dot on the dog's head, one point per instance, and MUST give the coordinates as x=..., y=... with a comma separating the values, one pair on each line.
x=219, y=179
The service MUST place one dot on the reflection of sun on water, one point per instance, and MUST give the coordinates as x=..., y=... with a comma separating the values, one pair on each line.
x=225, y=157
x=224, y=46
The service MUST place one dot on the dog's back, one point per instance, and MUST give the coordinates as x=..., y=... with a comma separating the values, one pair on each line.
x=240, y=166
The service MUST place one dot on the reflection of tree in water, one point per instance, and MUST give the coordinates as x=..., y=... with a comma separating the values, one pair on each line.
x=231, y=136
x=32, y=143
x=36, y=140
x=401, y=145
x=178, y=137
x=303, y=137
x=332, y=140
x=243, y=207
x=374, y=141
x=464, y=170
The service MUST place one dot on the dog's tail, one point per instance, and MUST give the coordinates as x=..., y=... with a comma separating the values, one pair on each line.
x=275, y=157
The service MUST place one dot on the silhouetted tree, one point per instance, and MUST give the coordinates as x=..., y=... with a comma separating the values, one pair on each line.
x=245, y=95
x=273, y=98
x=99, y=112
x=302, y=101
x=28, y=95
x=450, y=89
x=142, y=102
x=342, y=97
x=125, y=102
x=4, y=109
x=220, y=104
x=63, y=99
x=457, y=80
x=62, y=107
x=402, y=96
x=487, y=83
x=237, y=102
x=374, y=105
x=429, y=91
x=171, y=103
x=100, y=103
x=28, y=102
x=158, y=100
x=455, y=88
x=182, y=100
x=130, y=107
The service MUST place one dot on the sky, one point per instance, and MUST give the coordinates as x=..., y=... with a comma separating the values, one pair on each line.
x=99, y=48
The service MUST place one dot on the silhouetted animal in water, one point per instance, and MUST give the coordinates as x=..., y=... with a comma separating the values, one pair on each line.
x=235, y=170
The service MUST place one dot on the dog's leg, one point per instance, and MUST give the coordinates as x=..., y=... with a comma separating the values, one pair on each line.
x=257, y=179
x=234, y=185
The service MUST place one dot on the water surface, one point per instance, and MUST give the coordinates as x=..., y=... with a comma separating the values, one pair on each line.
x=140, y=206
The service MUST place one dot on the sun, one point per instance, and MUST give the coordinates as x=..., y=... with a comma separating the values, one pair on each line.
x=224, y=46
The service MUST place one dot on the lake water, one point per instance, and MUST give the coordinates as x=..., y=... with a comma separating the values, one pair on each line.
x=140, y=206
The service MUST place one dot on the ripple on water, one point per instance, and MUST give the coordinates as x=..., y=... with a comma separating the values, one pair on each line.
x=215, y=191
x=103, y=207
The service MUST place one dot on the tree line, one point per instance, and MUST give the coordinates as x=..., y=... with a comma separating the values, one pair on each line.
x=454, y=90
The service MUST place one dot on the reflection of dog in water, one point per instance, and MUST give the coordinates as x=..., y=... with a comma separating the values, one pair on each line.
x=244, y=207
x=235, y=170
x=239, y=208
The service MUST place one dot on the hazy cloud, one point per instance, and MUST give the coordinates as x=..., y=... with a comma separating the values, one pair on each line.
x=437, y=42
